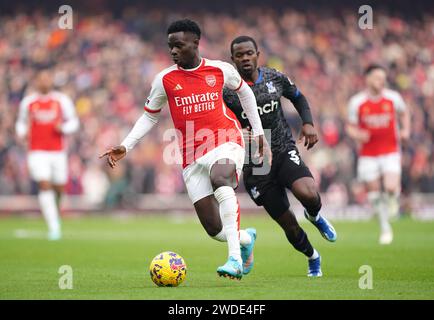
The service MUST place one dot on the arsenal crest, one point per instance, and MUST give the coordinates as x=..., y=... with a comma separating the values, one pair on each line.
x=386, y=107
x=210, y=80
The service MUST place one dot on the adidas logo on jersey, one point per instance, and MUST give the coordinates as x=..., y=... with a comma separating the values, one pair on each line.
x=177, y=87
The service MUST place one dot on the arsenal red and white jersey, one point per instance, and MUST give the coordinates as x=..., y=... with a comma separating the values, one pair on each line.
x=377, y=115
x=196, y=105
x=40, y=114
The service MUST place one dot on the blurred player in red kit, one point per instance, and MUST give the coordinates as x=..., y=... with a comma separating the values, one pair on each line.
x=45, y=117
x=378, y=119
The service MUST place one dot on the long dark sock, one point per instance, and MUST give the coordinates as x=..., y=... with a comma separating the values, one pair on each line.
x=299, y=240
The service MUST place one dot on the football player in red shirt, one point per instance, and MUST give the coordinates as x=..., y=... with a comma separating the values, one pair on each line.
x=378, y=119
x=45, y=117
x=210, y=138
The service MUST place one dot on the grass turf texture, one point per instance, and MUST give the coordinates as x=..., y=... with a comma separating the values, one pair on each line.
x=110, y=259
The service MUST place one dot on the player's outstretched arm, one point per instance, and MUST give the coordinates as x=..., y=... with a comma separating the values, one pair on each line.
x=308, y=131
x=356, y=133
x=142, y=127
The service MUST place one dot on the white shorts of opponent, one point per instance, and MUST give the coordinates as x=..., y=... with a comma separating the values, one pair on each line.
x=371, y=168
x=197, y=175
x=49, y=166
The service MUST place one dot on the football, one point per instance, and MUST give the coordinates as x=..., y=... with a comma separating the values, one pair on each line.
x=168, y=269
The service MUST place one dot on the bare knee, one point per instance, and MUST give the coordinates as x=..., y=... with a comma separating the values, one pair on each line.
x=306, y=191
x=220, y=181
x=223, y=175
x=392, y=183
x=311, y=193
x=373, y=186
x=44, y=186
x=59, y=189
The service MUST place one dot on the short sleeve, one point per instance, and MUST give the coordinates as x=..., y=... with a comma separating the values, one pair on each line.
x=21, y=126
x=353, y=107
x=232, y=78
x=289, y=89
x=67, y=105
x=24, y=108
x=399, y=103
x=157, y=97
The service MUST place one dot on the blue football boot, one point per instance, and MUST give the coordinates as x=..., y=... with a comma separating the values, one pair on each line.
x=314, y=269
x=231, y=269
x=324, y=226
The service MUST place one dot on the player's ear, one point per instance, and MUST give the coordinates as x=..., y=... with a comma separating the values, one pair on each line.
x=258, y=53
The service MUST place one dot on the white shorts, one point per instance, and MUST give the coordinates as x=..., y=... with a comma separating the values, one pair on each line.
x=371, y=168
x=49, y=166
x=197, y=175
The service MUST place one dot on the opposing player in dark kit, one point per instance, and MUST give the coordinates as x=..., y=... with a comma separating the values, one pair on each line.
x=288, y=169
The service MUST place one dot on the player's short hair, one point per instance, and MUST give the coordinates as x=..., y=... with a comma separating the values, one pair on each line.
x=241, y=39
x=372, y=67
x=184, y=25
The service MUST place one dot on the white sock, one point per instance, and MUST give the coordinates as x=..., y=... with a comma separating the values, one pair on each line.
x=314, y=255
x=47, y=202
x=392, y=200
x=221, y=236
x=228, y=206
x=245, y=238
x=312, y=218
x=378, y=203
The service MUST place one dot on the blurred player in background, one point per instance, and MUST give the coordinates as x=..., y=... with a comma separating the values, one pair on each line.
x=192, y=88
x=288, y=170
x=378, y=119
x=44, y=117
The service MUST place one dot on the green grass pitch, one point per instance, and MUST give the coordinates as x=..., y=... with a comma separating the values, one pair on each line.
x=110, y=257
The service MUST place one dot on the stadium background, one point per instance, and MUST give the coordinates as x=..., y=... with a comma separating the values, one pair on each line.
x=106, y=64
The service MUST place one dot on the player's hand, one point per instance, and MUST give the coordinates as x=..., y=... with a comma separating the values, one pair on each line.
x=58, y=127
x=263, y=149
x=362, y=136
x=114, y=154
x=308, y=132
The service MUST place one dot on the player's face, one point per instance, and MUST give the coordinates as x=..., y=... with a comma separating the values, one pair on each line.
x=44, y=82
x=245, y=57
x=376, y=80
x=183, y=48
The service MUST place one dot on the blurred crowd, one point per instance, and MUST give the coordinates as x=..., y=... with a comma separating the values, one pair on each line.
x=107, y=63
